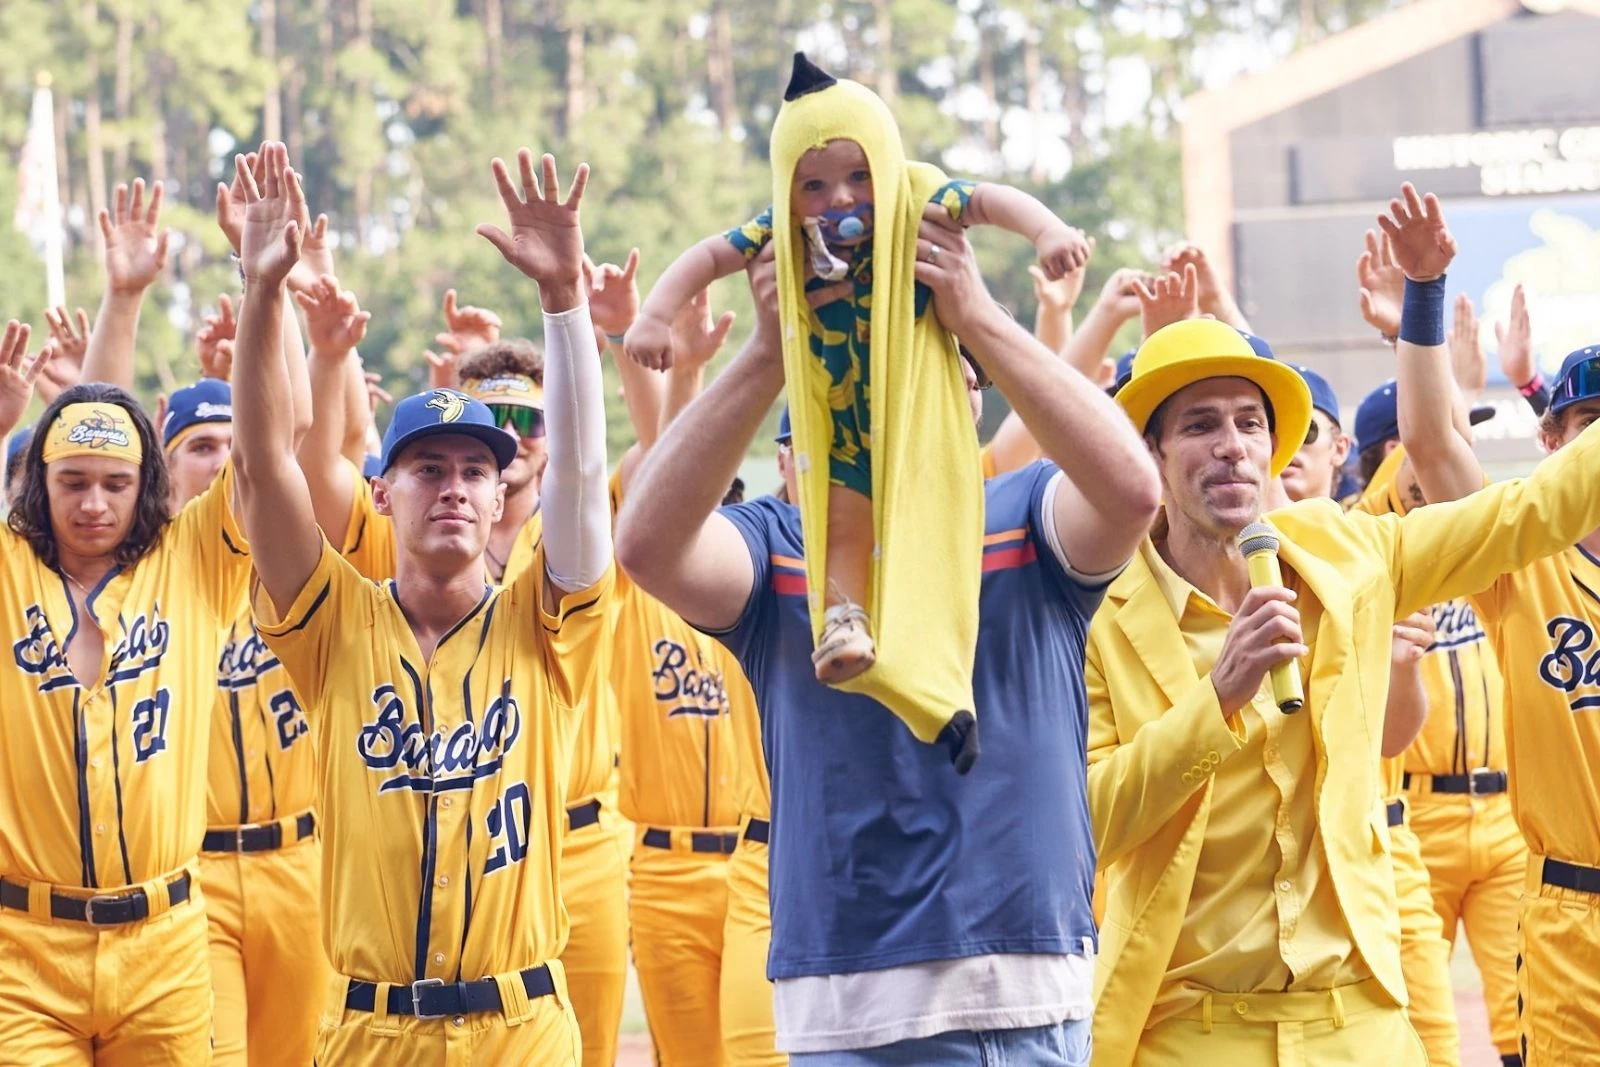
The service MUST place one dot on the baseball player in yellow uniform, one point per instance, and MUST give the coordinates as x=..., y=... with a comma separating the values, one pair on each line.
x=113, y=615
x=507, y=376
x=1453, y=780
x=1541, y=621
x=444, y=708
x=674, y=688
x=260, y=861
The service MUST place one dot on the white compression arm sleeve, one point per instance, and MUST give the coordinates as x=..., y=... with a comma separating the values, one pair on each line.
x=572, y=497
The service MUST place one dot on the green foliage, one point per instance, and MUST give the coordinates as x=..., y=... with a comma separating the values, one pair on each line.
x=393, y=109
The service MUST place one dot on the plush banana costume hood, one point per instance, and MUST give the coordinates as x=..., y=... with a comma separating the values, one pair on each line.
x=927, y=485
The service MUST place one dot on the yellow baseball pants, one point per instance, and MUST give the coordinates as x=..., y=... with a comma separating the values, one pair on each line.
x=268, y=970
x=594, y=887
x=1476, y=863
x=1354, y=1024
x=1558, y=973
x=748, y=1036
x=678, y=906
x=543, y=1032
x=137, y=995
x=1424, y=953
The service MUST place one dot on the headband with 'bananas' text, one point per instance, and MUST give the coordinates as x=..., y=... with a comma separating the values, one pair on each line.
x=93, y=429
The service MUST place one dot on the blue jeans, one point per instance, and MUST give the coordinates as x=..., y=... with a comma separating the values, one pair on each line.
x=1062, y=1045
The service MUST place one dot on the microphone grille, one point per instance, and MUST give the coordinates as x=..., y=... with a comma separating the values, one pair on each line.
x=1257, y=537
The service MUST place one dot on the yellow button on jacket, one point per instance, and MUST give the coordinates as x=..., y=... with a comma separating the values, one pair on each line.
x=1153, y=724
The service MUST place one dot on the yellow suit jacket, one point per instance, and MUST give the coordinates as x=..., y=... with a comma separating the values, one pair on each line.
x=1156, y=731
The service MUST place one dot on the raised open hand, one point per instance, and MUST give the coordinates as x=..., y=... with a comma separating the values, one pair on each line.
x=376, y=393
x=546, y=238
x=214, y=340
x=57, y=374
x=270, y=241
x=1423, y=247
x=335, y=323
x=316, y=254
x=230, y=200
x=1213, y=295
x=1119, y=297
x=613, y=294
x=1467, y=361
x=467, y=327
x=1057, y=294
x=70, y=341
x=17, y=374
x=1515, y=337
x=136, y=246
x=1382, y=284
x=695, y=338
x=1168, y=298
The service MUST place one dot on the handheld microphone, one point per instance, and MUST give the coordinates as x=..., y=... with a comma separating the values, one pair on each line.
x=1258, y=543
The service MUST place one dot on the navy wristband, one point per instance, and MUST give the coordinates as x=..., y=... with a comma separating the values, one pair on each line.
x=1422, y=314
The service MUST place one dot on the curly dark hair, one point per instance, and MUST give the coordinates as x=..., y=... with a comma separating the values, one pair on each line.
x=30, y=517
x=512, y=356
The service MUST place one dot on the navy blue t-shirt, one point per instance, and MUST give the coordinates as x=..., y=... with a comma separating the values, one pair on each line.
x=881, y=855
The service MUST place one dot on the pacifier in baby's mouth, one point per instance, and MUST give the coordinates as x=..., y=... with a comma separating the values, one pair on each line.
x=846, y=227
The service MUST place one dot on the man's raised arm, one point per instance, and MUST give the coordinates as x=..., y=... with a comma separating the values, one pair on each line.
x=278, y=518
x=670, y=538
x=1104, y=507
x=135, y=253
x=546, y=244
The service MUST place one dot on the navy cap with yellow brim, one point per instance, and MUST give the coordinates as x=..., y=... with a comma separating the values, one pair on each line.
x=1179, y=355
x=438, y=412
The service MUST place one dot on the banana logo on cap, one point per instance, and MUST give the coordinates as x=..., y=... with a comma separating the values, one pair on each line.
x=449, y=403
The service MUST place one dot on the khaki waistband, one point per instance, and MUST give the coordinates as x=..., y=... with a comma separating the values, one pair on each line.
x=1316, y=1006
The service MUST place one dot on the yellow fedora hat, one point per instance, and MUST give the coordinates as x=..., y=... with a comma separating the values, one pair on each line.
x=1193, y=350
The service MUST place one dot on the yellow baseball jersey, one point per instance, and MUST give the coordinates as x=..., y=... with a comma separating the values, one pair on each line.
x=1542, y=622
x=369, y=546
x=675, y=689
x=263, y=764
x=1465, y=729
x=103, y=784
x=443, y=782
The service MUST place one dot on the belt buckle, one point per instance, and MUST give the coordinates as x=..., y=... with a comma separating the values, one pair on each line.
x=1476, y=775
x=103, y=901
x=416, y=998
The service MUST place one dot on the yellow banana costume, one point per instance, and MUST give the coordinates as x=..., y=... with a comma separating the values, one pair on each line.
x=927, y=485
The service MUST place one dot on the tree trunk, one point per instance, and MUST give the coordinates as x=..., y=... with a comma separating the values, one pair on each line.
x=293, y=128
x=271, y=103
x=1035, y=91
x=94, y=141
x=493, y=39
x=364, y=175
x=986, y=81
x=325, y=41
x=888, y=70
x=719, y=67
x=572, y=113
x=63, y=161
x=122, y=98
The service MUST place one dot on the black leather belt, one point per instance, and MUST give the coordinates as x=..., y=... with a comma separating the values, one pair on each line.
x=1480, y=783
x=583, y=815
x=257, y=838
x=758, y=830
x=103, y=910
x=1571, y=876
x=1397, y=812
x=699, y=841
x=434, y=998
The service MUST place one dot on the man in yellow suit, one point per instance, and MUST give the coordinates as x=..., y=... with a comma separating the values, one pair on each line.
x=1251, y=905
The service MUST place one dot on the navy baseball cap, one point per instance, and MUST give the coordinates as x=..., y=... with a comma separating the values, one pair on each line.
x=371, y=467
x=784, y=432
x=1378, y=417
x=1261, y=348
x=1322, y=396
x=208, y=400
x=1124, y=370
x=445, y=411
x=17, y=442
x=1578, y=379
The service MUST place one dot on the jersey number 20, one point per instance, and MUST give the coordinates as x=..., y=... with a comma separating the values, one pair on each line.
x=509, y=819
